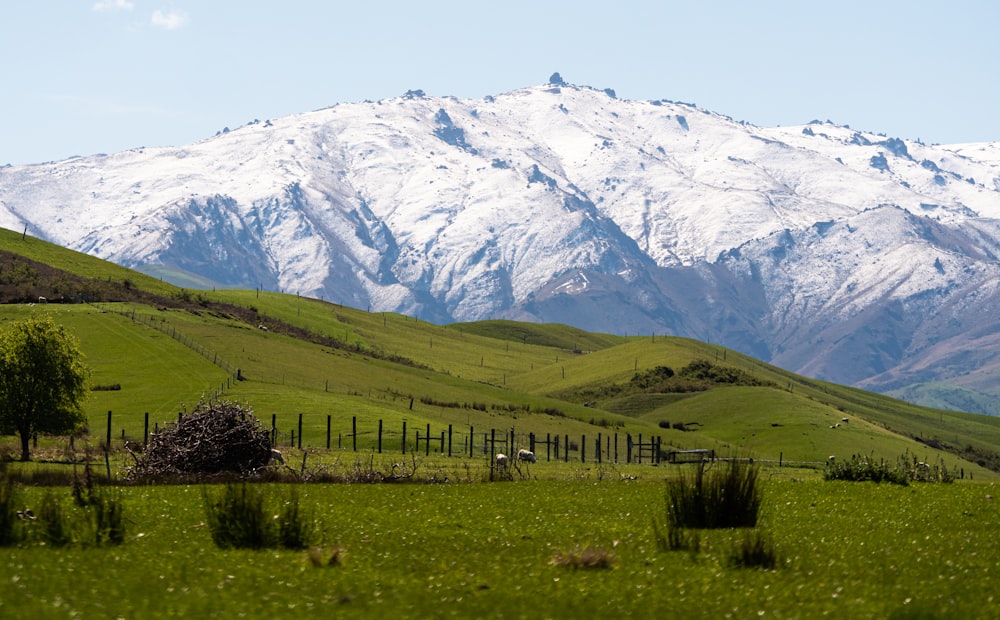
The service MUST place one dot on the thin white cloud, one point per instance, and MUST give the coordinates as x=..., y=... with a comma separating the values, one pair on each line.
x=169, y=20
x=113, y=5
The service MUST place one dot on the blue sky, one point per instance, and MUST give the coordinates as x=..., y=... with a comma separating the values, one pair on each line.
x=92, y=76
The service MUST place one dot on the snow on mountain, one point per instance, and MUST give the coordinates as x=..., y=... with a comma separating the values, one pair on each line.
x=843, y=254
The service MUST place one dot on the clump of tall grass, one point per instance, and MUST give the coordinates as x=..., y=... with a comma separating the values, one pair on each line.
x=241, y=517
x=55, y=529
x=755, y=550
x=673, y=538
x=104, y=510
x=98, y=518
x=715, y=498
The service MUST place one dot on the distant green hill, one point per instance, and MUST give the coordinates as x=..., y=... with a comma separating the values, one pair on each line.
x=157, y=349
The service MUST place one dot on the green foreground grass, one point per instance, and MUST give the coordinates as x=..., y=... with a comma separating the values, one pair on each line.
x=852, y=550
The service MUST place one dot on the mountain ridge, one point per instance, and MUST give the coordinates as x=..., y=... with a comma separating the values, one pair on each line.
x=845, y=255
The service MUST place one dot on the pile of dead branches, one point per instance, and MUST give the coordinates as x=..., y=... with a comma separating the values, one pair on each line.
x=215, y=438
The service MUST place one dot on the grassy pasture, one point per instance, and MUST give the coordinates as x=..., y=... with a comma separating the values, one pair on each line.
x=485, y=550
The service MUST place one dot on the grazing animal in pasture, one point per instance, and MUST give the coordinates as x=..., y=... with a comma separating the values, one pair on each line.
x=276, y=457
x=502, y=461
x=526, y=455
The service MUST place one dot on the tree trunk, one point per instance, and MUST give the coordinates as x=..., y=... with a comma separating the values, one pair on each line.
x=25, y=453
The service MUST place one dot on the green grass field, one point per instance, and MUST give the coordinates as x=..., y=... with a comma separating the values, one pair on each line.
x=855, y=550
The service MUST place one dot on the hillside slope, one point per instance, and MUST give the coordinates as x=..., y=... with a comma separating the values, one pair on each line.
x=320, y=359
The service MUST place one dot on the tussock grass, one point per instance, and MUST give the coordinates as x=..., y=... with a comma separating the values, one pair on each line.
x=754, y=550
x=55, y=527
x=722, y=497
x=242, y=517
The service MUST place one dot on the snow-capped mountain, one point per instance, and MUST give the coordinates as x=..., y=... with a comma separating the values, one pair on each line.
x=842, y=254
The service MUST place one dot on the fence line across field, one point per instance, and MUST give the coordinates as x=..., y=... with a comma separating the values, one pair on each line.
x=449, y=441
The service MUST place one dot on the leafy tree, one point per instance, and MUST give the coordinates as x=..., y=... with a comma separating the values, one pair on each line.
x=42, y=380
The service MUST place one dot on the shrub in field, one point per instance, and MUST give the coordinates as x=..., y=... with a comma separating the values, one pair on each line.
x=755, y=550
x=906, y=469
x=241, y=518
x=717, y=498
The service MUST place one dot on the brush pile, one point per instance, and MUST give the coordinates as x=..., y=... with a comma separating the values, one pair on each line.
x=215, y=438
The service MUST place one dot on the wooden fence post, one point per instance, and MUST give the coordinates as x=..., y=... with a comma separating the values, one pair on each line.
x=583, y=448
x=354, y=432
x=274, y=428
x=472, y=437
x=380, y=436
x=628, y=448
x=566, y=454
x=300, y=431
x=493, y=451
x=449, y=440
x=427, y=447
x=145, y=431
x=107, y=446
x=598, y=447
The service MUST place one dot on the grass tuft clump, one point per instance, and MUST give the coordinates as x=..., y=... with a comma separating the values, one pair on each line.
x=716, y=498
x=241, y=518
x=586, y=557
x=755, y=550
x=673, y=538
x=295, y=530
x=56, y=529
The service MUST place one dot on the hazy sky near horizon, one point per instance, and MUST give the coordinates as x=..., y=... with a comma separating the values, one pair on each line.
x=101, y=76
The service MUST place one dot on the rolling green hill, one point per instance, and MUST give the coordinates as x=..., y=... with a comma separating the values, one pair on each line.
x=166, y=348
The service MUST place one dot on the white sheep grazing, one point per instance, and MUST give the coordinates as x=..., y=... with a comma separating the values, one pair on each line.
x=831, y=458
x=526, y=455
x=276, y=456
x=501, y=461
